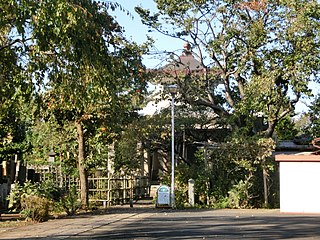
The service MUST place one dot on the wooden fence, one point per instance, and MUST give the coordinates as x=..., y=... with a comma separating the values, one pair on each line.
x=117, y=190
x=106, y=191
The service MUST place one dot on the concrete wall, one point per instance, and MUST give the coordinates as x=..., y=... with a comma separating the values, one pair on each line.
x=300, y=186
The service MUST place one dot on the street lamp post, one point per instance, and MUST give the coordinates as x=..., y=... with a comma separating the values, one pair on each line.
x=51, y=155
x=173, y=90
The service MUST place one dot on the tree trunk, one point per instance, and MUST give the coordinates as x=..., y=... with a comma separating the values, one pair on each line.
x=83, y=174
x=271, y=127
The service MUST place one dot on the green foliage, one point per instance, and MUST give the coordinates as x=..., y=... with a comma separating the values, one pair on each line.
x=239, y=196
x=14, y=115
x=32, y=200
x=47, y=189
x=197, y=171
x=128, y=150
x=46, y=136
x=230, y=176
x=286, y=129
x=85, y=71
x=69, y=201
x=16, y=94
x=222, y=202
x=303, y=123
x=181, y=196
x=313, y=126
x=37, y=200
x=15, y=197
x=236, y=166
x=18, y=191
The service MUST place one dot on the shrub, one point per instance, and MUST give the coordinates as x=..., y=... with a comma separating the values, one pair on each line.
x=181, y=198
x=219, y=203
x=35, y=208
x=69, y=201
x=17, y=191
x=37, y=199
x=239, y=196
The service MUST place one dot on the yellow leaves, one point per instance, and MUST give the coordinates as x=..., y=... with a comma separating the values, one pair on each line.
x=255, y=5
x=265, y=147
x=71, y=18
x=8, y=139
x=35, y=18
x=261, y=83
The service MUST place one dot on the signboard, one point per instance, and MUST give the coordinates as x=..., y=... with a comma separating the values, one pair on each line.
x=163, y=196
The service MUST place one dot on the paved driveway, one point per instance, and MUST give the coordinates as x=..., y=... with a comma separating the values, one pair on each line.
x=149, y=223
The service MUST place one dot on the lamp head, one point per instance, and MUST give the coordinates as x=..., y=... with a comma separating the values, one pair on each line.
x=173, y=89
x=51, y=155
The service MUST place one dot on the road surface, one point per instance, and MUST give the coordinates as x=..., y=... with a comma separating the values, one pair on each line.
x=146, y=222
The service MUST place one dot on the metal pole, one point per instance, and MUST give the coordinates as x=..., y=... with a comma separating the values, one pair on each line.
x=172, y=151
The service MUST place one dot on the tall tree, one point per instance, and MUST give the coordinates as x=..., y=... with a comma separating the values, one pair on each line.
x=259, y=56
x=15, y=88
x=312, y=121
x=90, y=72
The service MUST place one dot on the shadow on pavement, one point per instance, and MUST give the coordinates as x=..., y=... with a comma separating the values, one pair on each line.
x=144, y=221
x=175, y=225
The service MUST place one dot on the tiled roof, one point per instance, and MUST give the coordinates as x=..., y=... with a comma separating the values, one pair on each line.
x=185, y=62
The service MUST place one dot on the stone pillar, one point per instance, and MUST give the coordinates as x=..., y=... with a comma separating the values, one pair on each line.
x=191, y=192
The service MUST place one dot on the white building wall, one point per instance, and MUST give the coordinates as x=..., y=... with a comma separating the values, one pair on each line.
x=300, y=187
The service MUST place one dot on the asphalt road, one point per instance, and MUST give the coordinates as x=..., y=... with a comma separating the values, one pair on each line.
x=149, y=223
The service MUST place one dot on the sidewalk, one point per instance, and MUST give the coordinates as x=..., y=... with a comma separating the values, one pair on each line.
x=70, y=226
x=65, y=228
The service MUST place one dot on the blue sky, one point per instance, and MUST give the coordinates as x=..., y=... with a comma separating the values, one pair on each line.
x=138, y=32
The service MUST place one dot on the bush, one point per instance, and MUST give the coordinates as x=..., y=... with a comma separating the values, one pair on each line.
x=36, y=200
x=221, y=203
x=69, y=201
x=181, y=198
x=35, y=208
x=18, y=191
x=239, y=196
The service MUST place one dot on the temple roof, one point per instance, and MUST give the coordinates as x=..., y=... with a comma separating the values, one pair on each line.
x=185, y=62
